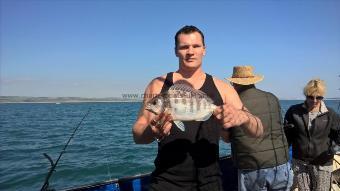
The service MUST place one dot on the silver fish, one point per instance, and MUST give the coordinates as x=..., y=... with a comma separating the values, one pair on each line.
x=183, y=103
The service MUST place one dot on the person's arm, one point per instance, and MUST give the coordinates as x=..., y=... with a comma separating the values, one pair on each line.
x=233, y=114
x=289, y=126
x=146, y=128
x=335, y=127
x=253, y=126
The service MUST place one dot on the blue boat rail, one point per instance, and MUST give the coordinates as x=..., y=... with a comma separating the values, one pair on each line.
x=229, y=176
x=141, y=182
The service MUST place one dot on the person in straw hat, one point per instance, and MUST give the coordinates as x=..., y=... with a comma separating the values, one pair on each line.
x=262, y=162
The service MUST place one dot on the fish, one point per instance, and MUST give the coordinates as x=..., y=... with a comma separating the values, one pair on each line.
x=184, y=103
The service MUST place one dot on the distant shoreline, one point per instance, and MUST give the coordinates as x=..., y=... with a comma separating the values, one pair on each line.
x=57, y=100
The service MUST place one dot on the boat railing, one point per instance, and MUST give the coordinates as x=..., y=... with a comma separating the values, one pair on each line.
x=336, y=173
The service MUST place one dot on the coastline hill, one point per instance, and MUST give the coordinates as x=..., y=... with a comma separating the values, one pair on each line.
x=26, y=99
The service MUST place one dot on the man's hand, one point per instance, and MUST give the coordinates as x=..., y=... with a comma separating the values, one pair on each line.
x=229, y=116
x=160, y=126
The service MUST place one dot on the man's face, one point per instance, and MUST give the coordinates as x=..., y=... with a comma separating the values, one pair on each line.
x=190, y=50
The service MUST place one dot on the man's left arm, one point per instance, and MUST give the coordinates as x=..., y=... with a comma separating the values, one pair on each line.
x=232, y=114
x=253, y=126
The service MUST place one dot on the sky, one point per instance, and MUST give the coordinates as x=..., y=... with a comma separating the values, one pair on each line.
x=102, y=48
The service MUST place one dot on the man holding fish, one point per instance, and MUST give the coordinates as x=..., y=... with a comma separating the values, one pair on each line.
x=190, y=113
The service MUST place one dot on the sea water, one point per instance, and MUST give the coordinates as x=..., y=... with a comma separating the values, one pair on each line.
x=102, y=148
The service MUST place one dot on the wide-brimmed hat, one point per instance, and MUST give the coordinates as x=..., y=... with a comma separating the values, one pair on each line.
x=244, y=75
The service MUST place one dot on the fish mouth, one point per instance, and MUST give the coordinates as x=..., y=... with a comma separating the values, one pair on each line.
x=148, y=106
x=153, y=112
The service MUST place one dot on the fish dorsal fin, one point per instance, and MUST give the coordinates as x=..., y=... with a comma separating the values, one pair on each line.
x=193, y=92
x=182, y=87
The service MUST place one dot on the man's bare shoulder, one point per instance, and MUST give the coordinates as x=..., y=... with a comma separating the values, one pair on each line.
x=153, y=89
x=222, y=85
x=228, y=93
x=156, y=84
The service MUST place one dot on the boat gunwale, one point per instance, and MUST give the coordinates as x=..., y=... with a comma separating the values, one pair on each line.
x=118, y=180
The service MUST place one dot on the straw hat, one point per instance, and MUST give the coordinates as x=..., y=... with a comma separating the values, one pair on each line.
x=244, y=75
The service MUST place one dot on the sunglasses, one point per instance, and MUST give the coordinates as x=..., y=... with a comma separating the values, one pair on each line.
x=315, y=97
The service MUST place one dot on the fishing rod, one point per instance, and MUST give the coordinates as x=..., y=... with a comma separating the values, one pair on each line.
x=339, y=101
x=45, y=187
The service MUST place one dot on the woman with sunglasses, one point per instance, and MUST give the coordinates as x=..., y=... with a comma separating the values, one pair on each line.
x=312, y=129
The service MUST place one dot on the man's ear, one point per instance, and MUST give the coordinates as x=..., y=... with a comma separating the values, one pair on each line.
x=176, y=53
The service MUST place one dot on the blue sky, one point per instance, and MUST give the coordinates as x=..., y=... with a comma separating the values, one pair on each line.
x=107, y=48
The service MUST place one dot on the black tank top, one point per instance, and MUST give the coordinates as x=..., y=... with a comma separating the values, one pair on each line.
x=189, y=160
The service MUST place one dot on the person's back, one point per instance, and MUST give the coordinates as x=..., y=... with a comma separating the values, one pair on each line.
x=262, y=162
x=269, y=150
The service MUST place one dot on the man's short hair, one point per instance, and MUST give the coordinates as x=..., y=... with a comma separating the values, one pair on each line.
x=188, y=29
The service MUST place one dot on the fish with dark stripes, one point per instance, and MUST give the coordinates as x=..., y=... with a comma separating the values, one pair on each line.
x=184, y=103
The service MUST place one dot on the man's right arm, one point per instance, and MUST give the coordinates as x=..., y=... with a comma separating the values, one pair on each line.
x=143, y=131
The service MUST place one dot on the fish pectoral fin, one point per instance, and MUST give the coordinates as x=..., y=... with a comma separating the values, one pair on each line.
x=206, y=117
x=180, y=125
